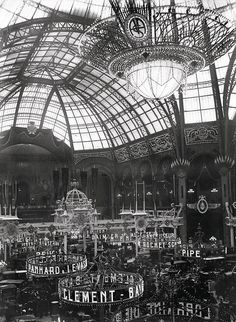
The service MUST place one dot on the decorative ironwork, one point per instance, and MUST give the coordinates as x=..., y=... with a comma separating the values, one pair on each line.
x=202, y=134
x=76, y=210
x=157, y=144
x=161, y=143
x=99, y=154
x=14, y=35
x=131, y=38
x=76, y=199
x=137, y=27
x=185, y=56
x=122, y=155
x=139, y=150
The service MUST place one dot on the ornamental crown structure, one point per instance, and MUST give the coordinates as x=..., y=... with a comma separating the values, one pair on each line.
x=75, y=209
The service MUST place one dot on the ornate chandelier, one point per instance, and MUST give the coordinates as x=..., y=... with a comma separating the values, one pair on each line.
x=154, y=48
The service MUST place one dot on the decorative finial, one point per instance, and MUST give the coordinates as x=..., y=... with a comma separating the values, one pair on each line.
x=31, y=128
x=74, y=184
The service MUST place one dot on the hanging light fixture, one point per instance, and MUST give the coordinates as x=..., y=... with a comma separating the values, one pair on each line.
x=154, y=48
x=161, y=76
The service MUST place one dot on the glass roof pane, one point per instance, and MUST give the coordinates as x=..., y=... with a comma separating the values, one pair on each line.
x=198, y=98
x=193, y=117
x=232, y=105
x=89, y=106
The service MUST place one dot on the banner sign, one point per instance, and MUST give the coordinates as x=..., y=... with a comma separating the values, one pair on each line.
x=205, y=252
x=30, y=244
x=163, y=309
x=146, y=239
x=117, y=288
x=27, y=241
x=47, y=252
x=55, y=264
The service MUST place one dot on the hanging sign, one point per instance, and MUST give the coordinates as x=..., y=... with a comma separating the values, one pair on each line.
x=146, y=239
x=30, y=244
x=29, y=241
x=182, y=310
x=55, y=264
x=85, y=289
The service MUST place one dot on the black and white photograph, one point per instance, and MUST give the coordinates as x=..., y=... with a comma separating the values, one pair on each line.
x=117, y=160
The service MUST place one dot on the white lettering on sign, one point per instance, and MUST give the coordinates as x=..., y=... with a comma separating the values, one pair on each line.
x=129, y=286
x=146, y=239
x=88, y=296
x=184, y=309
x=185, y=252
x=35, y=269
x=137, y=290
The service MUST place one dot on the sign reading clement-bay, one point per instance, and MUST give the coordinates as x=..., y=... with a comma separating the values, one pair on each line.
x=117, y=287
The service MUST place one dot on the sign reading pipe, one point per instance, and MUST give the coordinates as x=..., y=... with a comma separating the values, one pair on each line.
x=185, y=252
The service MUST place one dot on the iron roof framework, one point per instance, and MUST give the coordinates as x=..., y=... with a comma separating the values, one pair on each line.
x=42, y=79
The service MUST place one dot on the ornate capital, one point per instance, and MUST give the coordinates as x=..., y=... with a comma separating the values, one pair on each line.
x=224, y=163
x=180, y=167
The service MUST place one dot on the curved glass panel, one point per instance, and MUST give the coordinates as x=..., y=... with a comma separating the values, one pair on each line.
x=42, y=79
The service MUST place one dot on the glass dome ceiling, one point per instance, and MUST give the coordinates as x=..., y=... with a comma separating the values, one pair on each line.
x=42, y=78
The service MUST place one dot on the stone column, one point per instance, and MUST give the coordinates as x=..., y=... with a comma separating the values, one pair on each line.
x=180, y=167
